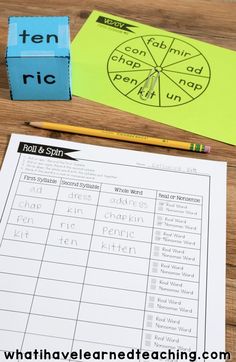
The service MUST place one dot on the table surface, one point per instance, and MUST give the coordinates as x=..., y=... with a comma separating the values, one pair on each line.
x=212, y=21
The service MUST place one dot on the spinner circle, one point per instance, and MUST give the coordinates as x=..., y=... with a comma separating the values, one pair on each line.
x=158, y=70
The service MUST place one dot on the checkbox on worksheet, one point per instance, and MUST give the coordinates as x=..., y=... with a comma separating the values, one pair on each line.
x=149, y=317
x=149, y=324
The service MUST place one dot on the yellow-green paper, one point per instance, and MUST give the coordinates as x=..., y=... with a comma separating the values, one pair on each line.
x=156, y=74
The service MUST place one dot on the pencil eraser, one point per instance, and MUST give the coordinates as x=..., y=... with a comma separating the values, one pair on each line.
x=207, y=149
x=38, y=58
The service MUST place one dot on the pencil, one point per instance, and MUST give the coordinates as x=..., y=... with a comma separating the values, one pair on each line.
x=196, y=147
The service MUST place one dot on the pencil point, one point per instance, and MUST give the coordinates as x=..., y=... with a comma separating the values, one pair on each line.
x=27, y=123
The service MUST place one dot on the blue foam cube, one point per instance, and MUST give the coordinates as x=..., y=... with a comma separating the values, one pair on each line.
x=38, y=58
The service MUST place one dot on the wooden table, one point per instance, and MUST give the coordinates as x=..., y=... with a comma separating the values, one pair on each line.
x=212, y=21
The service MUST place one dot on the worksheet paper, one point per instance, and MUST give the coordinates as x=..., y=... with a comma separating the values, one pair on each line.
x=105, y=249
